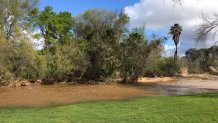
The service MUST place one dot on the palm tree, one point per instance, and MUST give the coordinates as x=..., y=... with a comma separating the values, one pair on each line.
x=176, y=31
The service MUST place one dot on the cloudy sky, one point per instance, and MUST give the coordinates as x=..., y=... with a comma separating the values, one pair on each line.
x=157, y=15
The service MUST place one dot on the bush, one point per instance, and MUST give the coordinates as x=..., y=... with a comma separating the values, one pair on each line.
x=20, y=58
x=169, y=67
x=16, y=59
x=37, y=71
x=159, y=66
x=134, y=53
x=154, y=60
x=5, y=75
x=67, y=62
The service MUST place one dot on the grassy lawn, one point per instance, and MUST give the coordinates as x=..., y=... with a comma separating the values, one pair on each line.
x=183, y=109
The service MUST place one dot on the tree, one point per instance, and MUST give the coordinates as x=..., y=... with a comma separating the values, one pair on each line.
x=176, y=31
x=54, y=28
x=16, y=52
x=14, y=17
x=103, y=31
x=135, y=51
x=201, y=60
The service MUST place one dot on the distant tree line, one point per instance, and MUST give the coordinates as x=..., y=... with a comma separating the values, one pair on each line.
x=201, y=60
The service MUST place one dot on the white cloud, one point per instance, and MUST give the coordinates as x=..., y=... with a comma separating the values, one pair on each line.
x=161, y=14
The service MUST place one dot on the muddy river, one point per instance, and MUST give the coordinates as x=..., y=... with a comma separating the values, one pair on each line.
x=38, y=96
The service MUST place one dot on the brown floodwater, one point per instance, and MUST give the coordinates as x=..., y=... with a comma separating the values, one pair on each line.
x=53, y=95
x=37, y=96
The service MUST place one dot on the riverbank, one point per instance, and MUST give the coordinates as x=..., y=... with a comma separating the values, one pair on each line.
x=184, y=75
x=201, y=108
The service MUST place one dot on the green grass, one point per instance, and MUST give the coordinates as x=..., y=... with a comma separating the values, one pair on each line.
x=181, y=109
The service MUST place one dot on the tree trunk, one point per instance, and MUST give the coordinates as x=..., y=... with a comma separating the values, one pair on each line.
x=175, y=55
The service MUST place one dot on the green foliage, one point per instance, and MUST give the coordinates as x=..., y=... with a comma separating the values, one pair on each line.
x=5, y=74
x=135, y=52
x=169, y=67
x=159, y=66
x=17, y=58
x=54, y=28
x=16, y=53
x=68, y=62
x=176, y=31
x=37, y=71
x=16, y=14
x=183, y=62
x=199, y=60
x=20, y=58
x=97, y=45
x=102, y=30
x=153, y=66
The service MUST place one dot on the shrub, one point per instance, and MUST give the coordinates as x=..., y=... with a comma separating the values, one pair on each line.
x=158, y=66
x=153, y=67
x=169, y=67
x=16, y=59
x=20, y=58
x=66, y=62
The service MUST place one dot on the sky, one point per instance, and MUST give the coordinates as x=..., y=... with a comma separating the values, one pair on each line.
x=157, y=16
x=77, y=7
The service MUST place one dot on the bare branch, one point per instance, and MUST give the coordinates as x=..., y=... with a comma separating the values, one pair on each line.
x=178, y=1
x=207, y=27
